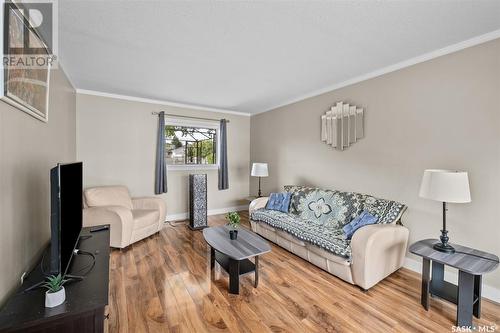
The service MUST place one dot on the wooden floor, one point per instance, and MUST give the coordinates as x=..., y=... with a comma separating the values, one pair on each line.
x=162, y=284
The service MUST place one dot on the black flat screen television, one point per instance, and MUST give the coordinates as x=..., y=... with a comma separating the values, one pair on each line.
x=66, y=186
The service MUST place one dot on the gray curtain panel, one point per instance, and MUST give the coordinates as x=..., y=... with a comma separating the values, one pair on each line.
x=161, y=167
x=223, y=168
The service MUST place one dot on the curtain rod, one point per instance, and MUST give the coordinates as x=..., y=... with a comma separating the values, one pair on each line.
x=176, y=115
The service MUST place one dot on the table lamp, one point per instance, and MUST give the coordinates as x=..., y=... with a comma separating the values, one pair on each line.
x=445, y=186
x=259, y=170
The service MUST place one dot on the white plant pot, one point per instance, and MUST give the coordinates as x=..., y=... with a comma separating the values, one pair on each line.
x=55, y=299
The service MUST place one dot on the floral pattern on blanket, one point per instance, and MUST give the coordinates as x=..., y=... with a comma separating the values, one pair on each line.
x=326, y=236
x=344, y=206
x=323, y=207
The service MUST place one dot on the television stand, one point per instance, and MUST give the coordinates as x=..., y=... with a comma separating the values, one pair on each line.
x=69, y=277
x=84, y=308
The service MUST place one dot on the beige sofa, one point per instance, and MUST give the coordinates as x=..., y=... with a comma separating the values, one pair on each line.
x=130, y=219
x=376, y=250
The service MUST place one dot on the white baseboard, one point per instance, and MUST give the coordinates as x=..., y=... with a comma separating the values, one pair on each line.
x=217, y=211
x=177, y=217
x=488, y=292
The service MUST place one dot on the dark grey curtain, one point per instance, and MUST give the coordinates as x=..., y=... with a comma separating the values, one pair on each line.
x=223, y=169
x=161, y=167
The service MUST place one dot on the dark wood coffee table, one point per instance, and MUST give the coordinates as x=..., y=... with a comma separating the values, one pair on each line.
x=233, y=255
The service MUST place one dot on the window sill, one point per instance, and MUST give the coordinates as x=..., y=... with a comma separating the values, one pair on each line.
x=182, y=167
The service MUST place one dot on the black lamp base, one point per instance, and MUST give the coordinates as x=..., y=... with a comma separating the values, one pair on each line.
x=260, y=193
x=444, y=248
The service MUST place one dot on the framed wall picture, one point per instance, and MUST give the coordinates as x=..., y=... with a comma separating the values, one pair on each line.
x=26, y=68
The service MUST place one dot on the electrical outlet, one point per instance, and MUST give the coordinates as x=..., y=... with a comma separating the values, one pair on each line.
x=23, y=276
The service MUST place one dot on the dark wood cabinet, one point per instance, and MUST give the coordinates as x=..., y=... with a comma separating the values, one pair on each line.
x=86, y=300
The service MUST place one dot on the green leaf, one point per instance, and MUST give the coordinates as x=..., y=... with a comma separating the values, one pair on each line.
x=54, y=283
x=233, y=219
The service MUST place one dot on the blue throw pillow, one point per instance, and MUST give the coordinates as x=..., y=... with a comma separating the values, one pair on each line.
x=359, y=221
x=279, y=201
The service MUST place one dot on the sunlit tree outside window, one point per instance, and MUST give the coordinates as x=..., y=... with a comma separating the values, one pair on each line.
x=185, y=145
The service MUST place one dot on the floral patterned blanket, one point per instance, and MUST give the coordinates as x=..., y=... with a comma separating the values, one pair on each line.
x=339, y=208
x=325, y=236
x=317, y=216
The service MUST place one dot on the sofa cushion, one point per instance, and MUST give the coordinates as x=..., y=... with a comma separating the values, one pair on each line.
x=268, y=227
x=339, y=208
x=325, y=236
x=108, y=196
x=328, y=255
x=289, y=237
x=145, y=217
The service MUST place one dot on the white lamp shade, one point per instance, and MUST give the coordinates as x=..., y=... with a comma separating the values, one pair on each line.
x=445, y=186
x=259, y=170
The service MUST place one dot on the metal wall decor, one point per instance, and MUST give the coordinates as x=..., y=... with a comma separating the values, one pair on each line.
x=197, y=201
x=342, y=125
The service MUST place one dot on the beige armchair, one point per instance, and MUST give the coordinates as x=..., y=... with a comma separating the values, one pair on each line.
x=130, y=219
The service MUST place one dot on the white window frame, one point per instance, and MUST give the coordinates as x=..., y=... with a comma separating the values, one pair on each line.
x=195, y=123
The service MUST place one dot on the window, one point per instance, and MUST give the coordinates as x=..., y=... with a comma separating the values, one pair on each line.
x=190, y=145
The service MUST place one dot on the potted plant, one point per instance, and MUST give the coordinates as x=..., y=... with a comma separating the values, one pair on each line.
x=55, y=294
x=233, y=219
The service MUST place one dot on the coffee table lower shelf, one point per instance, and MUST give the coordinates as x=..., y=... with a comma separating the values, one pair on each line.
x=245, y=266
x=235, y=269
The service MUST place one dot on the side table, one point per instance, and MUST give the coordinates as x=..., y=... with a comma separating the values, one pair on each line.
x=471, y=265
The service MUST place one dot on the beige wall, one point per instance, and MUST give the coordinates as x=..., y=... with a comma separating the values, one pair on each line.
x=116, y=140
x=444, y=113
x=28, y=149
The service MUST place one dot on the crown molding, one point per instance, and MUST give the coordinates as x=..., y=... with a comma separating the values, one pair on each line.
x=159, y=102
x=392, y=68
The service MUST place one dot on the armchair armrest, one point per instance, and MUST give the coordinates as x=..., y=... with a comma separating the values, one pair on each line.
x=257, y=203
x=119, y=218
x=377, y=251
x=152, y=203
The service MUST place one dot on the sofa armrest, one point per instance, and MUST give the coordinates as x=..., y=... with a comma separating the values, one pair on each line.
x=377, y=251
x=152, y=203
x=257, y=203
x=119, y=219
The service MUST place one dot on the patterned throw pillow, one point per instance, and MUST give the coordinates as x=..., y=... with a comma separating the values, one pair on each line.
x=359, y=221
x=279, y=201
x=339, y=208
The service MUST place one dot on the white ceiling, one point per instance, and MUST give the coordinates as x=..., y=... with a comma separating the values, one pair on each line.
x=252, y=56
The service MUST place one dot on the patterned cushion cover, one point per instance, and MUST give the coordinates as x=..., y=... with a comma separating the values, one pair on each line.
x=359, y=221
x=324, y=235
x=279, y=201
x=339, y=208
